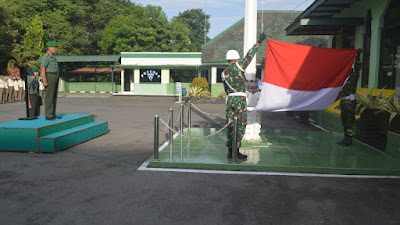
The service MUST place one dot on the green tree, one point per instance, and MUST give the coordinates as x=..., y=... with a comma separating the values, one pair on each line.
x=198, y=22
x=8, y=35
x=146, y=29
x=34, y=38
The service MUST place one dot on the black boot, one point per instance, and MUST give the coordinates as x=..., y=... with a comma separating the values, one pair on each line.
x=229, y=153
x=241, y=156
x=347, y=141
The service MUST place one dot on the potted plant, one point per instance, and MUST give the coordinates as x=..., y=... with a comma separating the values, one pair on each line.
x=392, y=107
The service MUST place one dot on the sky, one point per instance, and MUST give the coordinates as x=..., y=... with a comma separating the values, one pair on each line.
x=224, y=13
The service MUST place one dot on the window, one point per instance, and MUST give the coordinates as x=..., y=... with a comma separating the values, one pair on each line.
x=183, y=75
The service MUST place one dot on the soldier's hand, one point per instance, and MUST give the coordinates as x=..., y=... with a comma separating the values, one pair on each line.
x=45, y=83
x=261, y=38
x=29, y=105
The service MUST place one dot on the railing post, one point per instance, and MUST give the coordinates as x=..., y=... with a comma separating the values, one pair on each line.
x=171, y=133
x=156, y=137
x=189, y=115
x=234, y=141
x=181, y=129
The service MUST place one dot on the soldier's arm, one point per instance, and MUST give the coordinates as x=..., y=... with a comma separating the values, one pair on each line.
x=43, y=72
x=249, y=56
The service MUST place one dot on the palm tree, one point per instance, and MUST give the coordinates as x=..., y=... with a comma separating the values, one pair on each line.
x=20, y=60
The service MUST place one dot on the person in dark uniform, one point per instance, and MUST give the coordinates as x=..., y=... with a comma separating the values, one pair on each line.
x=33, y=94
x=50, y=74
x=235, y=83
x=348, y=102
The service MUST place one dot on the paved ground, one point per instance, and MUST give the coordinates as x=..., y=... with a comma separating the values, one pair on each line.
x=97, y=182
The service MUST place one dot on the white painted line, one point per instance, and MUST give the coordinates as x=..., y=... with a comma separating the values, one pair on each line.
x=103, y=92
x=319, y=127
x=92, y=92
x=72, y=92
x=82, y=91
x=143, y=167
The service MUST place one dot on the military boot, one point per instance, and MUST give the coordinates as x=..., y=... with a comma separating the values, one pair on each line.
x=229, y=153
x=347, y=141
x=239, y=155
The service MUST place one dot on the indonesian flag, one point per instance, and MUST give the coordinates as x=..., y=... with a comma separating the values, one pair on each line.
x=299, y=78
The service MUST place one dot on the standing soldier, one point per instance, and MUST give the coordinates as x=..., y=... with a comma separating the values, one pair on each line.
x=10, y=92
x=50, y=74
x=236, y=105
x=33, y=93
x=16, y=89
x=348, y=102
x=2, y=89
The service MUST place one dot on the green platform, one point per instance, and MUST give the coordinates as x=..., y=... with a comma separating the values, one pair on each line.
x=290, y=151
x=49, y=136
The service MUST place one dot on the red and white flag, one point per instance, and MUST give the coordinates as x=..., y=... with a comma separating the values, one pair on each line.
x=299, y=77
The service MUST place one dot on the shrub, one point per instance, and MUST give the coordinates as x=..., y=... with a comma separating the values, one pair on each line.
x=198, y=92
x=223, y=94
x=200, y=82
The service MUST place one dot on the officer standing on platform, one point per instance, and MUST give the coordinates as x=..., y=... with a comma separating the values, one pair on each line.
x=50, y=74
x=348, y=102
x=235, y=83
x=33, y=93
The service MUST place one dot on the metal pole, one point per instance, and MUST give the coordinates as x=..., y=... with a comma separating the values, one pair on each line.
x=171, y=134
x=234, y=141
x=181, y=128
x=156, y=135
x=190, y=115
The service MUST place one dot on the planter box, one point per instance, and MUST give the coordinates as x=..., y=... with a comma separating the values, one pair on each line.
x=372, y=129
x=393, y=144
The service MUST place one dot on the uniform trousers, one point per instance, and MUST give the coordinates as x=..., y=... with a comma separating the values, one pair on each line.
x=34, y=111
x=10, y=93
x=2, y=90
x=347, y=115
x=51, y=92
x=236, y=106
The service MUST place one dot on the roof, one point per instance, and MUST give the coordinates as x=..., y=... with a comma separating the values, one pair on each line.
x=87, y=58
x=318, y=19
x=275, y=23
x=93, y=70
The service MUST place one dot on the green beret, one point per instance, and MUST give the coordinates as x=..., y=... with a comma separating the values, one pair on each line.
x=52, y=44
x=35, y=69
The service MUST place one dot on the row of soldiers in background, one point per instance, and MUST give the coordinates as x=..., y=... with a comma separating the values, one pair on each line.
x=13, y=89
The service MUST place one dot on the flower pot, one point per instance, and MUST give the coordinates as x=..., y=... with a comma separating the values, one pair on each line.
x=373, y=129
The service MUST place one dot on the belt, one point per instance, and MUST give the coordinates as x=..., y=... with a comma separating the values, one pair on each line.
x=351, y=97
x=234, y=94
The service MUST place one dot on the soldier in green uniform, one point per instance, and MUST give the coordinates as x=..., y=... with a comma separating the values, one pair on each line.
x=235, y=87
x=50, y=74
x=348, y=103
x=33, y=91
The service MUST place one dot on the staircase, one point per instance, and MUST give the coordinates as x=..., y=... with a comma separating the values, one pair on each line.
x=50, y=136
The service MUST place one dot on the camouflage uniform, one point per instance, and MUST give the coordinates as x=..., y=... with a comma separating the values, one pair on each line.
x=348, y=104
x=236, y=105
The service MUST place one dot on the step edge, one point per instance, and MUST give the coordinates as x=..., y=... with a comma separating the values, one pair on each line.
x=101, y=123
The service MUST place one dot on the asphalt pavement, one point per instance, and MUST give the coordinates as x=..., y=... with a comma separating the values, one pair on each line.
x=97, y=182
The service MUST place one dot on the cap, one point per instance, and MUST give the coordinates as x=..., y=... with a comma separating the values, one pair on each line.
x=51, y=44
x=35, y=69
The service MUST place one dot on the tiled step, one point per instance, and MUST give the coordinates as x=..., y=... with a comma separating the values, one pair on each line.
x=64, y=139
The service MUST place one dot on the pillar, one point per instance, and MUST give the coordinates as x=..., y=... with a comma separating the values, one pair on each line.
x=122, y=80
x=214, y=75
x=165, y=75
